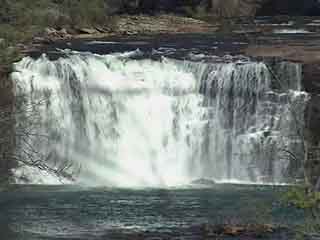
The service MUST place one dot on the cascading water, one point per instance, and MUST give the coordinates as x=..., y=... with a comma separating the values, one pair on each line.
x=144, y=122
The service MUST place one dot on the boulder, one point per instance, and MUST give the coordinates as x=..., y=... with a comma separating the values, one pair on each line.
x=87, y=30
x=41, y=40
x=252, y=231
x=53, y=34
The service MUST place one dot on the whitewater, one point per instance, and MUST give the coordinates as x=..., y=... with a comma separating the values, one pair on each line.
x=141, y=122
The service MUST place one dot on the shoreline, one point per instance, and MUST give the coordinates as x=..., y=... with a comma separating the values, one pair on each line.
x=260, y=40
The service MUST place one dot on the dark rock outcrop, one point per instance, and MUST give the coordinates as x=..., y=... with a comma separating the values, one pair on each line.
x=234, y=8
x=290, y=7
x=221, y=8
x=7, y=136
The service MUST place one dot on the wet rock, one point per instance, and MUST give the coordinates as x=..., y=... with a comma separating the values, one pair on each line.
x=234, y=230
x=41, y=40
x=63, y=32
x=103, y=29
x=50, y=31
x=312, y=168
x=247, y=31
x=311, y=77
x=52, y=34
x=204, y=182
x=87, y=30
x=306, y=52
x=312, y=138
x=253, y=230
x=312, y=133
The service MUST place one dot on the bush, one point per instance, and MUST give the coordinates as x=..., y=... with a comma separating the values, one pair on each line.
x=309, y=202
x=300, y=197
x=53, y=13
x=84, y=13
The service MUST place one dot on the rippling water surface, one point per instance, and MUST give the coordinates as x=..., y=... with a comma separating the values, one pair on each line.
x=68, y=212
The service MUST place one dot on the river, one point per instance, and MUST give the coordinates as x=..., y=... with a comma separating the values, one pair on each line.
x=68, y=212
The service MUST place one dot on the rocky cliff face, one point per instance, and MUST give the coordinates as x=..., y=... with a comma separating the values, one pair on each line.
x=235, y=8
x=7, y=137
x=222, y=8
x=289, y=7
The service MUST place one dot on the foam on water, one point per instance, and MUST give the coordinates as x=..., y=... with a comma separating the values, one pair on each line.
x=291, y=31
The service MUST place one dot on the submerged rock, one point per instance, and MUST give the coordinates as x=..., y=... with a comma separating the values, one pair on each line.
x=203, y=182
x=251, y=231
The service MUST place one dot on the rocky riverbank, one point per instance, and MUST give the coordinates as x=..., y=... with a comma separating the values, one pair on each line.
x=208, y=232
x=126, y=25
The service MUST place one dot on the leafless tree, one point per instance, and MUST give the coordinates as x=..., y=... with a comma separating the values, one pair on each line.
x=19, y=137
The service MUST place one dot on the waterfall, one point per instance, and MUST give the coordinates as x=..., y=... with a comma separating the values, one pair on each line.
x=141, y=122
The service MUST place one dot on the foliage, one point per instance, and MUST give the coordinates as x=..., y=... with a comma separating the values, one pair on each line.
x=53, y=12
x=84, y=12
x=12, y=35
x=301, y=198
x=21, y=20
x=8, y=56
x=309, y=202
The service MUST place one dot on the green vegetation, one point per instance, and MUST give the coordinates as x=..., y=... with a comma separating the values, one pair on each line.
x=54, y=13
x=21, y=20
x=301, y=198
